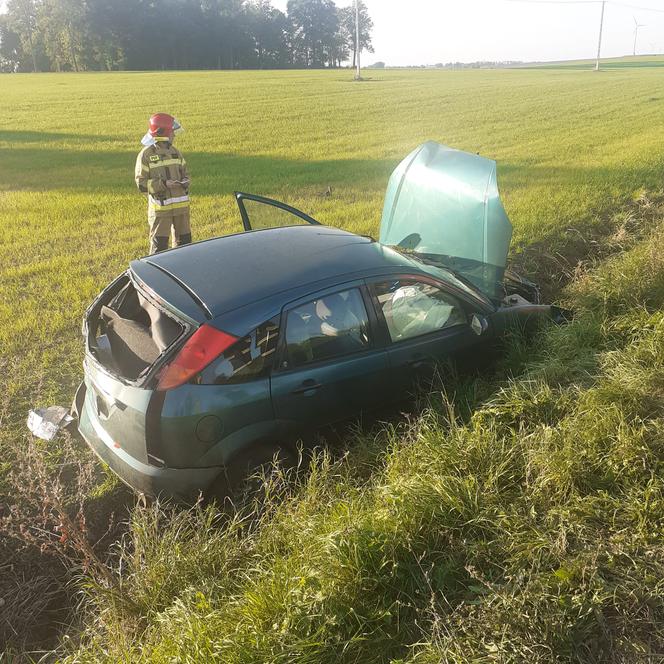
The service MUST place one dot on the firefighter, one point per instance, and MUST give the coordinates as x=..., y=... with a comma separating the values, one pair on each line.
x=161, y=173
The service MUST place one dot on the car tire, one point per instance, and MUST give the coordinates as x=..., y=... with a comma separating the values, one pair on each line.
x=242, y=473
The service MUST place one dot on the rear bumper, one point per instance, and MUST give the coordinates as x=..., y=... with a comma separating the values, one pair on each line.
x=181, y=484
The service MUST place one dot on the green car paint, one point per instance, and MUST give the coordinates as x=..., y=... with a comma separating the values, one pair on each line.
x=445, y=203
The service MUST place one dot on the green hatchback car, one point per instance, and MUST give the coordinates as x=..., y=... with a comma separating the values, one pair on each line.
x=207, y=360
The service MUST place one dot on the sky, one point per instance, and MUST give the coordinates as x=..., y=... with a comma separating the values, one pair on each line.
x=416, y=32
x=413, y=32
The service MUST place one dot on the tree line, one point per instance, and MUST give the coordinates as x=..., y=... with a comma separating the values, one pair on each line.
x=79, y=35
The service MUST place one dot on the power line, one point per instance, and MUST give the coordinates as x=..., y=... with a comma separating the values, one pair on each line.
x=576, y=2
x=588, y=2
x=641, y=9
x=601, y=20
x=558, y=2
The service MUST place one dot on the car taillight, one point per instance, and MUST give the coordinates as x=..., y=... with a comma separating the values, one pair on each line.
x=205, y=345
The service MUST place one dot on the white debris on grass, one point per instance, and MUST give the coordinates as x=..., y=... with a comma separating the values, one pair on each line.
x=46, y=423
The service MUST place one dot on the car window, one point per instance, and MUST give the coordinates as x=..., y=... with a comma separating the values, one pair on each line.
x=258, y=212
x=443, y=274
x=412, y=308
x=250, y=357
x=327, y=327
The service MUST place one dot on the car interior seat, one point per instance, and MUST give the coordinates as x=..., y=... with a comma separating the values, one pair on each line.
x=298, y=338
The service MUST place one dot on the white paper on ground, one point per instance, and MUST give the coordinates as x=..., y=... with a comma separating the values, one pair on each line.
x=45, y=423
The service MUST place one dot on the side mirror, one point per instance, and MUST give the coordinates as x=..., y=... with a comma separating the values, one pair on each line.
x=479, y=325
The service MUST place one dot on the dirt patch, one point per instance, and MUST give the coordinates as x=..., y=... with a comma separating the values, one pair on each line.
x=34, y=599
x=54, y=524
x=565, y=257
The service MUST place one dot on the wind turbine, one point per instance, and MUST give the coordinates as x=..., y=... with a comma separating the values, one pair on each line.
x=637, y=25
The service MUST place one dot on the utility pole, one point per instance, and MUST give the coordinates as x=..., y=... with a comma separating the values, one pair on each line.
x=601, y=27
x=358, y=76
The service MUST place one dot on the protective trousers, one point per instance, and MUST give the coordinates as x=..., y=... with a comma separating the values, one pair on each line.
x=166, y=223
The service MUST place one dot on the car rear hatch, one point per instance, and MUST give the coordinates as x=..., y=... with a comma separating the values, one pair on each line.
x=131, y=330
x=443, y=205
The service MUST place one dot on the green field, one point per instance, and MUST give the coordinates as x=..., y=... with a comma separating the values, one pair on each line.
x=531, y=530
x=626, y=62
x=570, y=146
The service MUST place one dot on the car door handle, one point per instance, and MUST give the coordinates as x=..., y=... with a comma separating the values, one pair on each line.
x=307, y=386
x=421, y=362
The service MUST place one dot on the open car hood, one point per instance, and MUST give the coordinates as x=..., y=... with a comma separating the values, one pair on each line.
x=443, y=205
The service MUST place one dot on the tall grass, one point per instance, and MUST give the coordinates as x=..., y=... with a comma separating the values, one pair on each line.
x=572, y=148
x=531, y=529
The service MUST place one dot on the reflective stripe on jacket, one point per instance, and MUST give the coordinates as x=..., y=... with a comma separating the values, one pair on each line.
x=154, y=165
x=168, y=204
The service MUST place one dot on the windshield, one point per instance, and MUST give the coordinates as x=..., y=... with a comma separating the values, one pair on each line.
x=443, y=205
x=445, y=274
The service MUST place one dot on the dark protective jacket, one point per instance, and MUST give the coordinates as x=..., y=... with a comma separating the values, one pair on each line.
x=155, y=165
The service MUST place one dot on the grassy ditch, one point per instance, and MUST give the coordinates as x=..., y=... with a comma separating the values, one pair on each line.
x=530, y=529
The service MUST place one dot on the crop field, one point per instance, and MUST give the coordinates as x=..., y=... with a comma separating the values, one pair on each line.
x=570, y=146
x=531, y=529
x=627, y=62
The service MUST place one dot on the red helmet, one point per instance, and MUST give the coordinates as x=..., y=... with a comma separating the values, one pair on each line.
x=163, y=124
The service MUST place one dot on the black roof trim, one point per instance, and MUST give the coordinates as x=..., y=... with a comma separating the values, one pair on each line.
x=199, y=302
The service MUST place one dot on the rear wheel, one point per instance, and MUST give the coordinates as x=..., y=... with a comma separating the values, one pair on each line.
x=244, y=474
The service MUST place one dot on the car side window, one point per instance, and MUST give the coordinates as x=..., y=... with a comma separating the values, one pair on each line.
x=263, y=215
x=412, y=308
x=330, y=326
x=248, y=358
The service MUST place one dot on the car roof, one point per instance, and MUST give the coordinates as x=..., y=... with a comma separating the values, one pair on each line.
x=233, y=271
